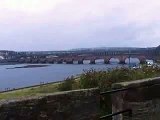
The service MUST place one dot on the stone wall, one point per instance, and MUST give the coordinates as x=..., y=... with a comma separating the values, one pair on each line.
x=71, y=105
x=142, y=98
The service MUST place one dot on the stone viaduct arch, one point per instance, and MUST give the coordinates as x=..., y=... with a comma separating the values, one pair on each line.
x=80, y=60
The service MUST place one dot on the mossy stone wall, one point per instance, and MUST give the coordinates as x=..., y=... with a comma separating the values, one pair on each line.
x=71, y=105
x=143, y=99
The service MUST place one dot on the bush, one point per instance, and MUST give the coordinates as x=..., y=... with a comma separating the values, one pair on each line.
x=67, y=84
x=104, y=79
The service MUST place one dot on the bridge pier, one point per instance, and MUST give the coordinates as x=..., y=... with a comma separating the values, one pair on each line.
x=69, y=62
x=142, y=61
x=122, y=62
x=51, y=61
x=92, y=62
x=59, y=62
x=28, y=61
x=42, y=61
x=80, y=61
x=21, y=61
x=106, y=62
x=34, y=61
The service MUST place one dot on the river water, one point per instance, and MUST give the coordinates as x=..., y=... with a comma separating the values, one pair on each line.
x=22, y=77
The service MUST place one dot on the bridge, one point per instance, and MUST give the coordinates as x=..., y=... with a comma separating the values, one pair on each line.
x=80, y=59
x=79, y=56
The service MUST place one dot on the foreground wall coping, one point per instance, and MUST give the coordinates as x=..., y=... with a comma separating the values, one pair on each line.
x=143, y=100
x=137, y=83
x=82, y=104
x=2, y=102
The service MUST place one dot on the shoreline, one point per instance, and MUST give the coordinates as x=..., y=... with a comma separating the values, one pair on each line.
x=34, y=86
x=35, y=90
x=28, y=87
x=87, y=80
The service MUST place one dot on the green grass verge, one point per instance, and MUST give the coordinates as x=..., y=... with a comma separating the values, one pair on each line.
x=35, y=91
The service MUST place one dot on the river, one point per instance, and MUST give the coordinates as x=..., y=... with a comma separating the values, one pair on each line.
x=22, y=77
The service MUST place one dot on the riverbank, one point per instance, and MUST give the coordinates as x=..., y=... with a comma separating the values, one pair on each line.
x=36, y=90
x=88, y=79
x=29, y=92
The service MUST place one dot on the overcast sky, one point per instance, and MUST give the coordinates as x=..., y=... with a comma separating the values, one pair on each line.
x=67, y=24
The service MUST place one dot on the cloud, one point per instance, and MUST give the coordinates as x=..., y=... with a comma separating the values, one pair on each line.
x=65, y=24
x=30, y=6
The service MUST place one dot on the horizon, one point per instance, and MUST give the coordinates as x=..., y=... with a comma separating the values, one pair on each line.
x=38, y=25
x=72, y=49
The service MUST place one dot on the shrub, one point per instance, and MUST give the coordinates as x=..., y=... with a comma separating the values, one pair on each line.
x=67, y=84
x=104, y=79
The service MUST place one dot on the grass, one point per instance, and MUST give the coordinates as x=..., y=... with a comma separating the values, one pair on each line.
x=37, y=91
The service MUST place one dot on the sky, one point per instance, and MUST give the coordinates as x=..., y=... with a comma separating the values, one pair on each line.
x=66, y=24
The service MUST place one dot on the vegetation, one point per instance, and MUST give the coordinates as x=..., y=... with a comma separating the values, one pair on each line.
x=104, y=79
x=69, y=84
x=28, y=92
x=89, y=79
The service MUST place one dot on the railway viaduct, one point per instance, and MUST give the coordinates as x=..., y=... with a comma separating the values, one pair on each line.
x=79, y=56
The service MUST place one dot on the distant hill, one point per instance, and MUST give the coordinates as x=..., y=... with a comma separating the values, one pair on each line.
x=110, y=48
